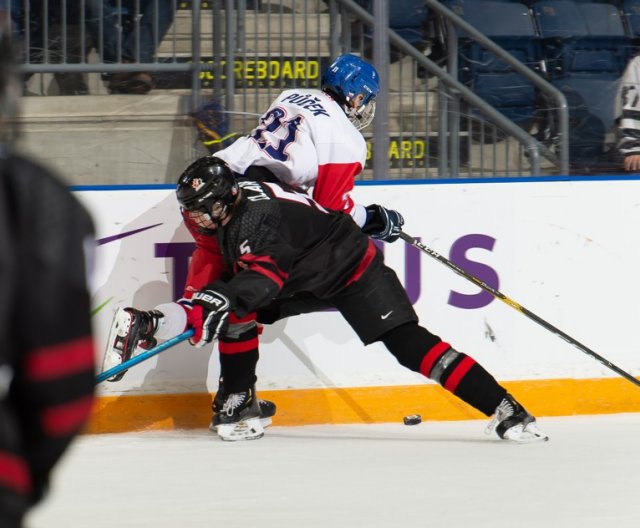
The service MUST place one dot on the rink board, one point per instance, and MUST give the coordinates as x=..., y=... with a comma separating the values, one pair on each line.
x=566, y=250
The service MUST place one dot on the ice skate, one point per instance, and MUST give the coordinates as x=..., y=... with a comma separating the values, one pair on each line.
x=240, y=417
x=511, y=421
x=267, y=409
x=131, y=331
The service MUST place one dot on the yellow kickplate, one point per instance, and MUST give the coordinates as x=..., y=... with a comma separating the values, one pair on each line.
x=558, y=397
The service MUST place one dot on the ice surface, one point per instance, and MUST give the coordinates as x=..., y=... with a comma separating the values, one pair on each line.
x=440, y=475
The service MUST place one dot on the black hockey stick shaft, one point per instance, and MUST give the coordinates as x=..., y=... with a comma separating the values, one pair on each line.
x=516, y=306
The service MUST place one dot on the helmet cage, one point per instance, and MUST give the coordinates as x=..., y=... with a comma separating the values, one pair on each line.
x=207, y=190
x=362, y=116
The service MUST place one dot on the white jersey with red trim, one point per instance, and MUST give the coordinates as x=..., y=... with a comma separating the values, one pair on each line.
x=306, y=140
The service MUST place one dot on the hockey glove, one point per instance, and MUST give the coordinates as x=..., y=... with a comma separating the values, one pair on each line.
x=210, y=314
x=383, y=224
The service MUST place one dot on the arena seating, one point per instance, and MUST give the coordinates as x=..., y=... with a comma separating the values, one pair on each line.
x=511, y=26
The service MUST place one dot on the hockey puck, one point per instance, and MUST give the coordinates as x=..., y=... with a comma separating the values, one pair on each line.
x=412, y=419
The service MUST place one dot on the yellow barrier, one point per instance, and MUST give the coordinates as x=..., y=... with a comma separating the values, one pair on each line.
x=558, y=397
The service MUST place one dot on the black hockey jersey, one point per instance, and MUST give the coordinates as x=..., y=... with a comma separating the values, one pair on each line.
x=280, y=242
x=46, y=355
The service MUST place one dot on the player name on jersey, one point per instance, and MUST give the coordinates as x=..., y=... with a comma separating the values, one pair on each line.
x=255, y=72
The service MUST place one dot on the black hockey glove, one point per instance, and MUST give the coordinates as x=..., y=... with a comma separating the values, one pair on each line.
x=210, y=314
x=383, y=224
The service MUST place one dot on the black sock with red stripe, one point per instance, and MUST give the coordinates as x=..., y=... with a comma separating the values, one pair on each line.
x=455, y=371
x=238, y=360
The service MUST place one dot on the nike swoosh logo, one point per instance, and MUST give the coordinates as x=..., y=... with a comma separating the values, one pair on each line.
x=106, y=240
x=383, y=317
x=126, y=234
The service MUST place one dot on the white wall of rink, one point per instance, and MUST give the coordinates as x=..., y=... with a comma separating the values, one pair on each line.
x=567, y=250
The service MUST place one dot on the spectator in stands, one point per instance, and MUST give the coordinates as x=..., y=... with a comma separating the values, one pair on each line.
x=114, y=24
x=63, y=43
x=628, y=116
x=46, y=357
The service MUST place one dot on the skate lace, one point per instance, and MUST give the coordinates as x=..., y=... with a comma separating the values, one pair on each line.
x=149, y=324
x=232, y=402
x=503, y=411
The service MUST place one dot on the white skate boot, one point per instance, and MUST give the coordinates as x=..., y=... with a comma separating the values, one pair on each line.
x=240, y=417
x=511, y=421
x=131, y=330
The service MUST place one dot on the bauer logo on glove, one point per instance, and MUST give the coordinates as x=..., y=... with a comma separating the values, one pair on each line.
x=207, y=297
x=210, y=314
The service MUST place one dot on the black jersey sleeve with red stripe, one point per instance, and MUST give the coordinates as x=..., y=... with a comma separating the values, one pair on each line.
x=256, y=253
x=46, y=326
x=280, y=242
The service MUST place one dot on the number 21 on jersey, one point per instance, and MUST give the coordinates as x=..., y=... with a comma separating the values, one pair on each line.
x=273, y=121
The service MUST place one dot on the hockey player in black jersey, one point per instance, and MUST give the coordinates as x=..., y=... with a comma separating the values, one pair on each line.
x=46, y=355
x=290, y=256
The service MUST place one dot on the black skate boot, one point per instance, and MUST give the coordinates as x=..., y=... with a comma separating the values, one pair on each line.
x=130, y=329
x=240, y=417
x=267, y=409
x=512, y=422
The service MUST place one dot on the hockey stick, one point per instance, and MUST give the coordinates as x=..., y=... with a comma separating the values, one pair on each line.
x=535, y=318
x=143, y=357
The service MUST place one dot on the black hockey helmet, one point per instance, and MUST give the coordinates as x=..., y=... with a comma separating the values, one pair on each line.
x=208, y=186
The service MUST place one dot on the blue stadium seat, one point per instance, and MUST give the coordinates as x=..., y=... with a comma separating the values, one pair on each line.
x=511, y=26
x=631, y=16
x=407, y=18
x=581, y=37
x=586, y=48
x=631, y=13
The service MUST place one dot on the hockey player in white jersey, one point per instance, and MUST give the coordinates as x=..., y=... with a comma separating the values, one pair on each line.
x=307, y=138
x=311, y=138
x=628, y=114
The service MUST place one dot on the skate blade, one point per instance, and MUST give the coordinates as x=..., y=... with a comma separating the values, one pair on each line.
x=491, y=426
x=250, y=429
x=525, y=435
x=264, y=422
x=112, y=354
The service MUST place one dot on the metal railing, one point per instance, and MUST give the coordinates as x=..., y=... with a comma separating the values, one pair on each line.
x=547, y=88
x=450, y=91
x=59, y=37
x=244, y=52
x=417, y=132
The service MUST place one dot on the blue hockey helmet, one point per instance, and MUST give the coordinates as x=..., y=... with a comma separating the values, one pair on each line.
x=354, y=83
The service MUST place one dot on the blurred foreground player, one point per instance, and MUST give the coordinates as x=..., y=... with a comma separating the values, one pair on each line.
x=46, y=356
x=307, y=138
x=288, y=256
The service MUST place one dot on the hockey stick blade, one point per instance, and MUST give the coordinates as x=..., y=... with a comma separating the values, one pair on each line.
x=143, y=357
x=516, y=306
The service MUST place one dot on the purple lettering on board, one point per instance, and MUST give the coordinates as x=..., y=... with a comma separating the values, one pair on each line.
x=485, y=273
x=412, y=270
x=180, y=252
